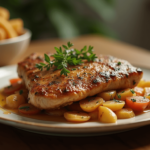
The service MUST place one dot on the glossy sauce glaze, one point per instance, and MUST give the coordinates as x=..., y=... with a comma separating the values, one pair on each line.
x=40, y=116
x=49, y=90
x=85, y=76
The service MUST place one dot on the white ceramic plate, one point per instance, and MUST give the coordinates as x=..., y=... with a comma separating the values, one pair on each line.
x=67, y=129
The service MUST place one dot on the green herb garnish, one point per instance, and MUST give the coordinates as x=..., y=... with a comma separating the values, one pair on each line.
x=84, y=67
x=133, y=100
x=148, y=94
x=116, y=100
x=119, y=63
x=21, y=92
x=119, y=96
x=132, y=91
x=134, y=82
x=67, y=56
x=74, y=84
x=9, y=86
x=25, y=107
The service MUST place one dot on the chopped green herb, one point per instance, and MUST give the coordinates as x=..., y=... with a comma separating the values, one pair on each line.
x=132, y=91
x=89, y=100
x=119, y=63
x=74, y=84
x=97, y=102
x=122, y=91
x=133, y=100
x=84, y=67
x=148, y=94
x=73, y=69
x=80, y=78
x=116, y=100
x=36, y=93
x=36, y=76
x=118, y=95
x=9, y=86
x=134, y=82
x=25, y=107
x=21, y=92
x=67, y=56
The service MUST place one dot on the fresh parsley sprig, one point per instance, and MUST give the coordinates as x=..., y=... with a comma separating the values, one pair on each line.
x=67, y=56
x=47, y=66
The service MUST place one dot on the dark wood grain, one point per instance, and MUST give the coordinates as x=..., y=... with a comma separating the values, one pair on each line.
x=137, y=139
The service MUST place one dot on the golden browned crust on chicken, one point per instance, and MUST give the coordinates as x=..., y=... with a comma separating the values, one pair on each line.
x=49, y=90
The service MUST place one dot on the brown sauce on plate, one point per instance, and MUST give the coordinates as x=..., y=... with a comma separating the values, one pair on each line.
x=40, y=116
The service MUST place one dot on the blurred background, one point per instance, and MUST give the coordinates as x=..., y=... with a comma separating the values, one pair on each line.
x=124, y=20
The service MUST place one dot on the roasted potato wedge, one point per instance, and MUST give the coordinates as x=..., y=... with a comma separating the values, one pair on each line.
x=2, y=100
x=14, y=101
x=144, y=83
x=91, y=103
x=125, y=113
x=106, y=115
x=76, y=116
x=125, y=93
x=23, y=92
x=109, y=95
x=114, y=105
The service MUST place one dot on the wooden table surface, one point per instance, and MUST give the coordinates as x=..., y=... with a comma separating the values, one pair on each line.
x=137, y=139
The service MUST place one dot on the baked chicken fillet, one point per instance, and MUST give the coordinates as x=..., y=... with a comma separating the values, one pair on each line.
x=50, y=90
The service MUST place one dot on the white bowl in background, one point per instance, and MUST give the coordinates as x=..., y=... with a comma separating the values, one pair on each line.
x=10, y=49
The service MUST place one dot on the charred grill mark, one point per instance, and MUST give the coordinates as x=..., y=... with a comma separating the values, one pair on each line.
x=33, y=80
x=36, y=76
x=53, y=82
x=134, y=82
x=95, y=73
x=97, y=80
x=36, y=93
x=113, y=74
x=127, y=75
x=40, y=58
x=65, y=90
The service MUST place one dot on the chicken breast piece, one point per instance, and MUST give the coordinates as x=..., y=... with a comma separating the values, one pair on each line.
x=49, y=90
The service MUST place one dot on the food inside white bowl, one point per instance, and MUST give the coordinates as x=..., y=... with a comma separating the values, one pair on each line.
x=10, y=49
x=14, y=39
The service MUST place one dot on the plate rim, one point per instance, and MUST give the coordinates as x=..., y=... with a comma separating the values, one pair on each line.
x=43, y=125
